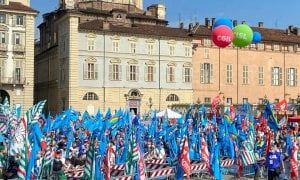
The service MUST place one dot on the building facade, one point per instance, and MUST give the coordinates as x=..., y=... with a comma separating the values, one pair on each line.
x=101, y=54
x=17, y=52
x=267, y=69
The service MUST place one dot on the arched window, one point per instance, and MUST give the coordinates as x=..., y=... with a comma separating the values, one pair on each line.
x=172, y=97
x=90, y=96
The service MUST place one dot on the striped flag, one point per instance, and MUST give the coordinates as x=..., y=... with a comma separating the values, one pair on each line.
x=32, y=115
x=205, y=155
x=141, y=166
x=247, y=153
x=132, y=157
x=4, y=107
x=185, y=159
x=294, y=162
x=22, y=164
x=89, y=163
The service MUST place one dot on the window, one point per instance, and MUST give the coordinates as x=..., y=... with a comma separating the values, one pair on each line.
x=18, y=74
x=187, y=74
x=115, y=72
x=17, y=38
x=276, y=100
x=291, y=76
x=3, y=37
x=206, y=53
x=260, y=100
x=245, y=74
x=91, y=44
x=207, y=100
x=171, y=74
x=206, y=42
x=172, y=50
x=206, y=73
x=2, y=18
x=132, y=73
x=276, y=76
x=245, y=100
x=90, y=96
x=187, y=51
x=2, y=2
x=149, y=73
x=119, y=16
x=260, y=46
x=276, y=47
x=133, y=47
x=229, y=73
x=229, y=100
x=172, y=97
x=115, y=46
x=20, y=20
x=260, y=75
x=150, y=49
x=90, y=71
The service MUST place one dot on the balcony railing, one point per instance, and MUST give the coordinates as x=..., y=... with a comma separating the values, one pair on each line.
x=10, y=80
x=3, y=47
x=19, y=48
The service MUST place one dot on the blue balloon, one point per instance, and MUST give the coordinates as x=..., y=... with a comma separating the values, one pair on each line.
x=256, y=37
x=223, y=21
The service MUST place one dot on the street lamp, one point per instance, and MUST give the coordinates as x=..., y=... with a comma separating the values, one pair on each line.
x=298, y=104
x=150, y=102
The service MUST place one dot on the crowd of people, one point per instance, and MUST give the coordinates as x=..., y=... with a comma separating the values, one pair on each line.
x=65, y=143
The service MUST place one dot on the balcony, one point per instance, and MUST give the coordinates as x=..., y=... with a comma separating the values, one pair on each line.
x=19, y=48
x=3, y=47
x=10, y=80
x=19, y=80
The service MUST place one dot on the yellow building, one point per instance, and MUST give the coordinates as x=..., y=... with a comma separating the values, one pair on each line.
x=17, y=51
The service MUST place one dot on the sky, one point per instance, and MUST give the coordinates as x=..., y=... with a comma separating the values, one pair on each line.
x=277, y=14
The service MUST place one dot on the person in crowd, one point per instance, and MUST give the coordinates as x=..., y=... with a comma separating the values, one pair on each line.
x=274, y=162
x=12, y=171
x=68, y=168
x=160, y=151
x=150, y=154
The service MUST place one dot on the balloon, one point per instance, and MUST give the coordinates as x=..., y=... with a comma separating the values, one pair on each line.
x=243, y=35
x=256, y=37
x=223, y=21
x=222, y=36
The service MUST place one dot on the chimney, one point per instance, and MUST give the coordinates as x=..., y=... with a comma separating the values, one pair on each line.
x=260, y=24
x=207, y=22
x=291, y=28
x=190, y=27
x=106, y=25
x=243, y=22
x=181, y=25
x=297, y=31
x=288, y=31
x=235, y=23
x=213, y=20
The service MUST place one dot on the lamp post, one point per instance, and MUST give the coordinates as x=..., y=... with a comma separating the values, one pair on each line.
x=150, y=102
x=298, y=104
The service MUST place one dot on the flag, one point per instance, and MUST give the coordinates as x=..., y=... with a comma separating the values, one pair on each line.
x=238, y=161
x=282, y=105
x=294, y=162
x=271, y=120
x=33, y=113
x=205, y=154
x=89, y=162
x=185, y=159
x=132, y=157
x=141, y=165
x=106, y=162
x=247, y=152
x=216, y=101
x=22, y=164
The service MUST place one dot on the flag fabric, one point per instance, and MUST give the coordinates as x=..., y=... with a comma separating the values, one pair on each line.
x=185, y=159
x=282, y=105
x=141, y=165
x=106, y=162
x=205, y=154
x=271, y=120
x=247, y=152
x=216, y=101
x=132, y=157
x=89, y=162
x=294, y=162
x=238, y=161
x=32, y=115
x=22, y=164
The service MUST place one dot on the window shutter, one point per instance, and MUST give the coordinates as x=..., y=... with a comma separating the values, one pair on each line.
x=6, y=19
x=137, y=73
x=14, y=20
x=120, y=73
x=296, y=76
x=280, y=76
x=146, y=73
x=201, y=73
x=14, y=38
x=168, y=74
x=85, y=70
x=96, y=70
x=211, y=74
x=110, y=72
x=191, y=75
x=6, y=38
x=183, y=74
x=24, y=20
x=127, y=72
x=288, y=76
x=154, y=73
x=272, y=75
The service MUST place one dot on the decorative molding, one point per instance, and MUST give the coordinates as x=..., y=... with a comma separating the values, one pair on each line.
x=91, y=35
x=150, y=40
x=187, y=43
x=115, y=37
x=171, y=64
x=132, y=61
x=115, y=60
x=150, y=62
x=90, y=59
x=133, y=39
x=172, y=41
x=187, y=64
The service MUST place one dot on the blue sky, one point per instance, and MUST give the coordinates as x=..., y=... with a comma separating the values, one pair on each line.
x=274, y=13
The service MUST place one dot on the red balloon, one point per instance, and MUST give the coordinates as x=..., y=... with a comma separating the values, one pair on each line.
x=222, y=36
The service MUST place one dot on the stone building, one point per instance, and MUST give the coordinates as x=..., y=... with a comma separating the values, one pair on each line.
x=100, y=54
x=17, y=51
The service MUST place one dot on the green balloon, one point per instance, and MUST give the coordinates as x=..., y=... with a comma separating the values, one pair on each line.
x=243, y=35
